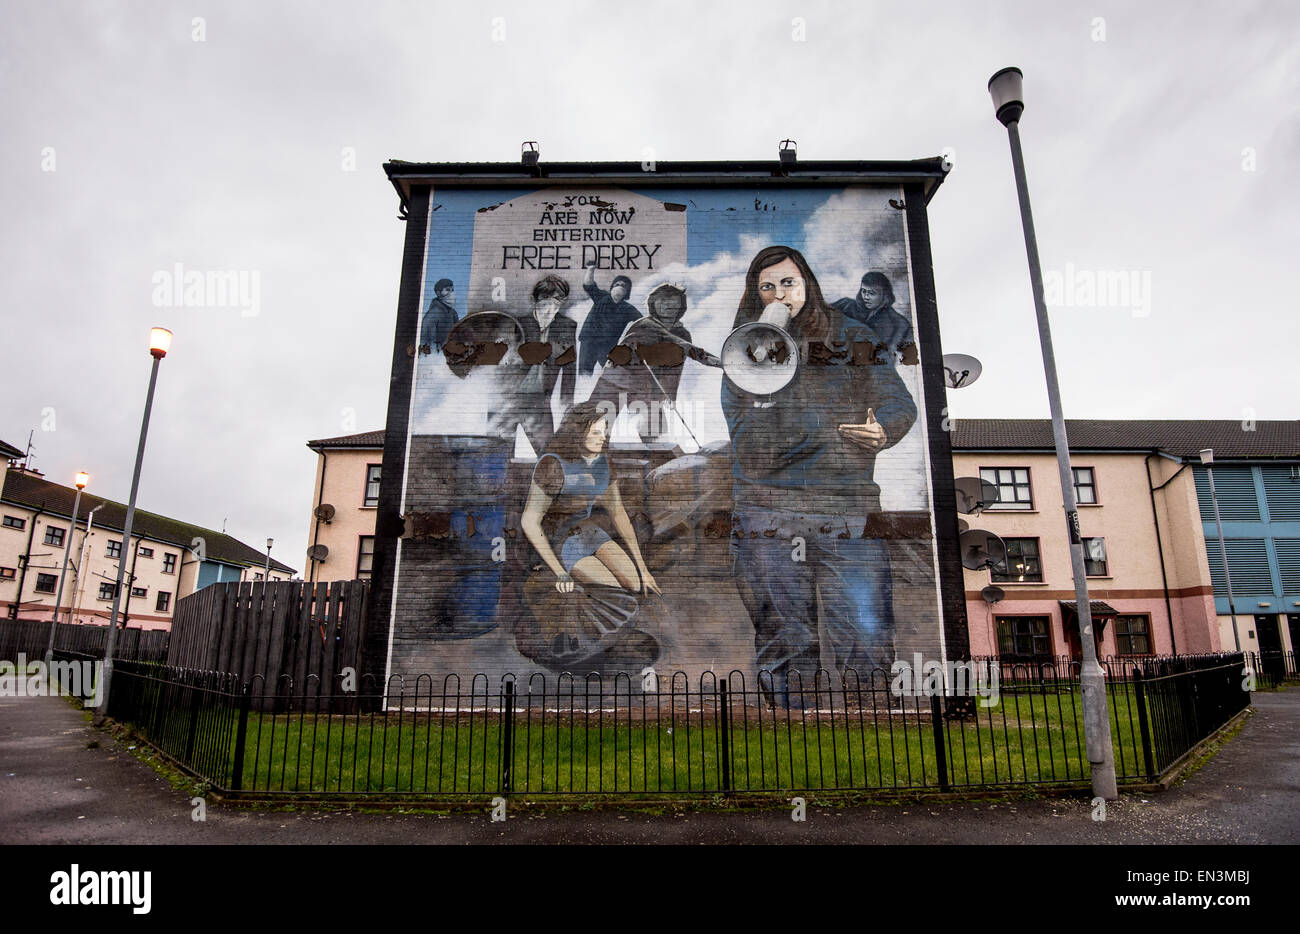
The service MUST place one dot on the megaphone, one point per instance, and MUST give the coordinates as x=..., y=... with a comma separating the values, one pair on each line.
x=761, y=357
x=483, y=338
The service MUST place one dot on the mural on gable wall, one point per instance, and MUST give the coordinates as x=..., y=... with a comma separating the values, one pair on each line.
x=667, y=430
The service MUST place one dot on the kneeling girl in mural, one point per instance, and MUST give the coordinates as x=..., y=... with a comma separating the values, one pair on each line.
x=570, y=480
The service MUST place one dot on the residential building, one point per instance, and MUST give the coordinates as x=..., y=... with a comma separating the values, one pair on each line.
x=1150, y=544
x=167, y=559
x=1151, y=547
x=341, y=532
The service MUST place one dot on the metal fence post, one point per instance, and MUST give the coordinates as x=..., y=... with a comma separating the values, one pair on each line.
x=194, y=723
x=940, y=753
x=507, y=735
x=724, y=737
x=1139, y=690
x=241, y=735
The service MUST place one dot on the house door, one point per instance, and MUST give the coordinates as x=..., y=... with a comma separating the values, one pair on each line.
x=1270, y=648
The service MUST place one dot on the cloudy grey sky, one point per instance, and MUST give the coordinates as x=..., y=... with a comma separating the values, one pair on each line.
x=1156, y=136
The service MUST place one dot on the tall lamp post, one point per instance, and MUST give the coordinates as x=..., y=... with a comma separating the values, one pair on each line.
x=1008, y=104
x=82, y=479
x=1207, y=458
x=160, y=341
x=266, y=578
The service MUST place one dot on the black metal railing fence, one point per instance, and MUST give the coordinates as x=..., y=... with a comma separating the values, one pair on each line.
x=572, y=735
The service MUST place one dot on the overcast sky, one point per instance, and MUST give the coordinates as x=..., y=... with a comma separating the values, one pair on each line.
x=1157, y=137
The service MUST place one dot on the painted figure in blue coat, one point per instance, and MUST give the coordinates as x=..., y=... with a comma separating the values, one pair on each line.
x=439, y=317
x=874, y=307
x=569, y=482
x=610, y=314
x=803, y=487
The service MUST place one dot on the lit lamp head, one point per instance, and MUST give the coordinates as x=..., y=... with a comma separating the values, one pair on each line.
x=82, y=479
x=1008, y=101
x=160, y=341
x=1207, y=456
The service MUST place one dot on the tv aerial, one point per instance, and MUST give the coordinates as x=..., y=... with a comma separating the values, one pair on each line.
x=974, y=495
x=960, y=370
x=981, y=549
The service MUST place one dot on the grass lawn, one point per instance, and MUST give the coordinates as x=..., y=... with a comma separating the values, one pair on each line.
x=1026, y=737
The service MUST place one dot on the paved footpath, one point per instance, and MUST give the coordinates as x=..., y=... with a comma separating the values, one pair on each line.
x=56, y=788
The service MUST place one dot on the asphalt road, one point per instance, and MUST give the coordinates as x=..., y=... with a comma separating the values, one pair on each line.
x=55, y=788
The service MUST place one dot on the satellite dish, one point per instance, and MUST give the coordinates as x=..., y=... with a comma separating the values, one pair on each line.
x=962, y=526
x=760, y=358
x=325, y=512
x=318, y=552
x=992, y=594
x=980, y=548
x=960, y=370
x=974, y=495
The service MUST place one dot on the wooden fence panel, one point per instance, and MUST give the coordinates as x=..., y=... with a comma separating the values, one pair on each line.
x=294, y=628
x=30, y=637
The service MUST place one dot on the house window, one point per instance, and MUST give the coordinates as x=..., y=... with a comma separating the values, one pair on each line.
x=54, y=535
x=257, y=576
x=1133, y=635
x=1012, y=484
x=106, y=590
x=1085, y=486
x=1094, y=557
x=372, y=485
x=365, y=556
x=169, y=564
x=139, y=591
x=1023, y=637
x=1022, y=564
x=114, y=550
x=45, y=583
x=146, y=552
x=13, y=522
x=164, y=601
x=8, y=574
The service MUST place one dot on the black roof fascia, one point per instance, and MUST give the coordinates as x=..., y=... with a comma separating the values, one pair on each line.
x=405, y=175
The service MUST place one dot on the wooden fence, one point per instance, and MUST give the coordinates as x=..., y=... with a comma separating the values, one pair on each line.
x=29, y=637
x=296, y=635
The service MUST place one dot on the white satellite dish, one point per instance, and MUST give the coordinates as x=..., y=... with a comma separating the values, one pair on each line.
x=980, y=549
x=974, y=495
x=960, y=370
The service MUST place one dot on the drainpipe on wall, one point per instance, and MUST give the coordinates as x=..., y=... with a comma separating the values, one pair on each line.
x=27, y=559
x=81, y=561
x=315, y=535
x=126, y=610
x=1164, y=578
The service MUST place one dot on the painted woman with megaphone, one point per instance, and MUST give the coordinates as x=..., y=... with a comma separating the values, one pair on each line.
x=808, y=408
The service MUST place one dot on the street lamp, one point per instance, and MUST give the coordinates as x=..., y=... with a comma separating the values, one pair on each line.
x=1207, y=458
x=266, y=578
x=160, y=341
x=1008, y=105
x=82, y=479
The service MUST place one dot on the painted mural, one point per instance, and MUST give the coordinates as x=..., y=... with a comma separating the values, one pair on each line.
x=666, y=430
